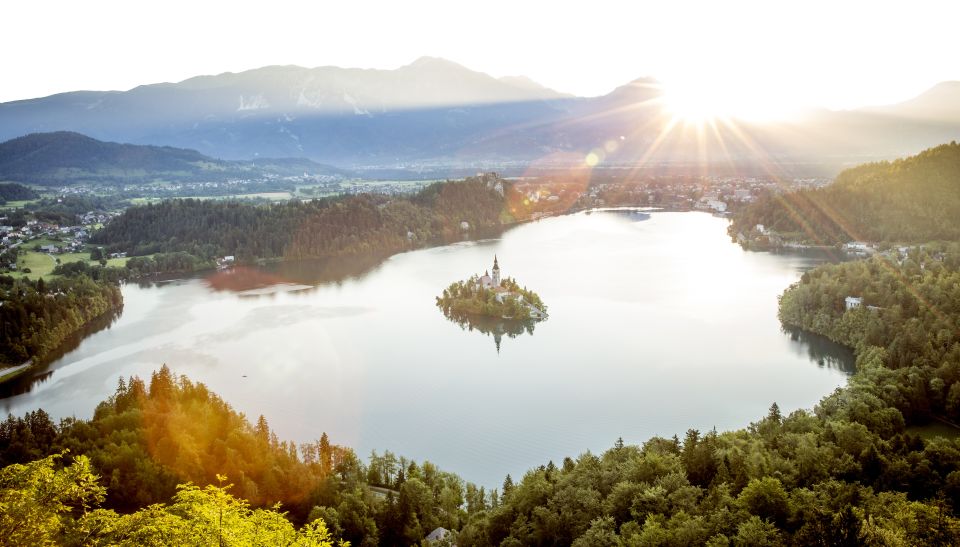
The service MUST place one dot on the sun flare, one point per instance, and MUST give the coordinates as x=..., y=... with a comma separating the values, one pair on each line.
x=699, y=103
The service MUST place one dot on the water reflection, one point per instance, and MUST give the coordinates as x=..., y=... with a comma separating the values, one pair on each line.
x=42, y=370
x=305, y=275
x=492, y=326
x=822, y=350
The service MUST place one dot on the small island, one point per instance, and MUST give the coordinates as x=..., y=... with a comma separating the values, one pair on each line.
x=490, y=296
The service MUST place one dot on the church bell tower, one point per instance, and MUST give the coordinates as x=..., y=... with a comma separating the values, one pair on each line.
x=496, y=272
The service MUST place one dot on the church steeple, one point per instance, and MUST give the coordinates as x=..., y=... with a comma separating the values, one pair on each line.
x=496, y=272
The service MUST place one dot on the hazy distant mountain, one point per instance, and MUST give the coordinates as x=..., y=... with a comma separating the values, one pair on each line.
x=940, y=103
x=436, y=111
x=65, y=157
x=536, y=89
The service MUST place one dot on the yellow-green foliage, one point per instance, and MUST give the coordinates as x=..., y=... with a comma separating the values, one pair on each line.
x=37, y=500
x=43, y=505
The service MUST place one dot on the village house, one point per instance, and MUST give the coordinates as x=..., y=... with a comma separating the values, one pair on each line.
x=858, y=247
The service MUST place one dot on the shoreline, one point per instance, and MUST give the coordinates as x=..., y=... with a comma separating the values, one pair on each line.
x=11, y=373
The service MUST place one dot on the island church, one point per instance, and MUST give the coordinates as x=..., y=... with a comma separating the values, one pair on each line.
x=488, y=282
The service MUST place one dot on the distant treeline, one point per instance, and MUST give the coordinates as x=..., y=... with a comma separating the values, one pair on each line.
x=16, y=192
x=37, y=316
x=916, y=199
x=136, y=267
x=297, y=230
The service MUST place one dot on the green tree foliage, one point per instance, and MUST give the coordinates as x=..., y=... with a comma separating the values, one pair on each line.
x=470, y=298
x=41, y=504
x=37, y=500
x=150, y=437
x=16, y=192
x=319, y=228
x=36, y=317
x=761, y=493
x=915, y=199
x=905, y=332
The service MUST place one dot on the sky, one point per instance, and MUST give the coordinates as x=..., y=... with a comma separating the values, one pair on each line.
x=768, y=56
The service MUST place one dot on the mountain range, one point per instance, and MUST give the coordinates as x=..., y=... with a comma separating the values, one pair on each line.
x=434, y=111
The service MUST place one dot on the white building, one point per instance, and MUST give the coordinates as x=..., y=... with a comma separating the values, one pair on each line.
x=717, y=205
x=859, y=247
x=853, y=302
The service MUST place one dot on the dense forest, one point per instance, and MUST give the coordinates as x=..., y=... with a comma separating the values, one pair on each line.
x=907, y=319
x=297, y=230
x=16, y=192
x=37, y=316
x=846, y=473
x=916, y=199
x=150, y=437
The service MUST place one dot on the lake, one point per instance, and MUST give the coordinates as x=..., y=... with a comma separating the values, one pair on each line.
x=658, y=323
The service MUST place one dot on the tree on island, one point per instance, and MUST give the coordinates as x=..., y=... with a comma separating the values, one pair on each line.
x=490, y=296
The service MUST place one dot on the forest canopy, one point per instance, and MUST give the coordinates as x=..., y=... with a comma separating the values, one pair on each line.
x=319, y=228
x=911, y=200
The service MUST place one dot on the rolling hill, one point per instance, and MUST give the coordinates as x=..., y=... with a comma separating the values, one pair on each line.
x=916, y=199
x=64, y=157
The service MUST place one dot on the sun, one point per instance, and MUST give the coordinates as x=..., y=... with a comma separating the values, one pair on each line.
x=694, y=107
x=698, y=103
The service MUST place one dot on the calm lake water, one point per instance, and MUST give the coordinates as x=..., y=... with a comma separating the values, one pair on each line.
x=658, y=323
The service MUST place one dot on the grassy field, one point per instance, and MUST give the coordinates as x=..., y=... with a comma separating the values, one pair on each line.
x=39, y=264
x=42, y=264
x=11, y=205
x=272, y=196
x=34, y=244
x=144, y=201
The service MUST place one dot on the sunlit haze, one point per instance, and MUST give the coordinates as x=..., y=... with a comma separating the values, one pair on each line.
x=753, y=59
